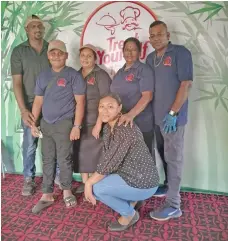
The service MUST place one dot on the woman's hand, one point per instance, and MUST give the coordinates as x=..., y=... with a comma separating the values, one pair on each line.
x=89, y=193
x=96, y=131
x=127, y=119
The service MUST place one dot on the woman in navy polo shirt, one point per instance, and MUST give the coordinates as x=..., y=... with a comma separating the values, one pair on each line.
x=134, y=83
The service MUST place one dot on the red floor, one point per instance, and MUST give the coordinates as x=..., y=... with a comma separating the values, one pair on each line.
x=205, y=218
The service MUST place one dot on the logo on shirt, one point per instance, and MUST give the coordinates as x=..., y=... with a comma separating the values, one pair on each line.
x=91, y=81
x=61, y=82
x=167, y=61
x=129, y=77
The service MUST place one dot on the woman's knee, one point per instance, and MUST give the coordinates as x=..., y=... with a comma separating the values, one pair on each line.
x=98, y=189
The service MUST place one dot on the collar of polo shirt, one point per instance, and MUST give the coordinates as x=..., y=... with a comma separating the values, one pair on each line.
x=134, y=66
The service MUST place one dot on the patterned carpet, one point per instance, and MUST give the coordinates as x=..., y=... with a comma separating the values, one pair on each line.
x=205, y=218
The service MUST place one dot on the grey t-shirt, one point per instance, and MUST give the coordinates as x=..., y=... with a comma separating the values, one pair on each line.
x=27, y=62
x=58, y=90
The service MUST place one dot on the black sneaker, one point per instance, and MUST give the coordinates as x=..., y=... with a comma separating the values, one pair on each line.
x=29, y=187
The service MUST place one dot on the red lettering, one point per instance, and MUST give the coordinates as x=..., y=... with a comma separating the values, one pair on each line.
x=121, y=42
x=110, y=43
x=143, y=53
x=100, y=54
x=106, y=59
x=116, y=57
x=115, y=44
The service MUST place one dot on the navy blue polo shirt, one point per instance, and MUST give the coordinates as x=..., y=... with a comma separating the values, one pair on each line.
x=130, y=84
x=175, y=66
x=58, y=90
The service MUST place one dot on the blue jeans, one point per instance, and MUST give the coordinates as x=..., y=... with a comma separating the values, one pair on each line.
x=29, y=152
x=118, y=195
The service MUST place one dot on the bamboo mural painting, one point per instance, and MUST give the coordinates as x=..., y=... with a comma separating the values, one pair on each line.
x=201, y=26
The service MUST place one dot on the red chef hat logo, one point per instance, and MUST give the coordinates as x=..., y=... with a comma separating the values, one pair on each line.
x=167, y=61
x=129, y=77
x=61, y=82
x=91, y=81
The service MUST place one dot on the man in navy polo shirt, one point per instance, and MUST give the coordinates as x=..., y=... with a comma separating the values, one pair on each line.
x=173, y=70
x=60, y=93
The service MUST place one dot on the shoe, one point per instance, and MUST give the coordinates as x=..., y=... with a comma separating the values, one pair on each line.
x=116, y=226
x=165, y=213
x=29, y=187
x=80, y=188
x=161, y=191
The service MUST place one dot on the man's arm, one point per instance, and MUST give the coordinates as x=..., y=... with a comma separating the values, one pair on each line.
x=26, y=115
x=18, y=91
x=37, y=106
x=80, y=109
x=79, y=115
x=182, y=95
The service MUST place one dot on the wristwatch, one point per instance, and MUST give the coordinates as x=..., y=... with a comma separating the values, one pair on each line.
x=78, y=126
x=173, y=113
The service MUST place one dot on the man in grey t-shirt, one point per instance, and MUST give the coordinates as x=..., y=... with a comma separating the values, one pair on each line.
x=27, y=61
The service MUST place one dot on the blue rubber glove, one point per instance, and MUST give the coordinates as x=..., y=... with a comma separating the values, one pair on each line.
x=170, y=124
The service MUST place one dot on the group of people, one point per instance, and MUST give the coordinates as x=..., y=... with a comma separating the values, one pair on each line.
x=103, y=128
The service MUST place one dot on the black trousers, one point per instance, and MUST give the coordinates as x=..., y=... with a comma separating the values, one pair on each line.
x=56, y=144
x=149, y=140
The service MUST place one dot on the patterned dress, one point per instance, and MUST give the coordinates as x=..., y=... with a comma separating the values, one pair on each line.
x=88, y=150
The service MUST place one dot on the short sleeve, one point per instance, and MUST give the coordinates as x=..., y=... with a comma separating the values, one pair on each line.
x=184, y=64
x=39, y=89
x=78, y=84
x=104, y=82
x=16, y=63
x=149, y=60
x=146, y=81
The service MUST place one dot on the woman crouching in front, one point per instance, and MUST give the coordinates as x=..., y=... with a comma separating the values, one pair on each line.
x=127, y=174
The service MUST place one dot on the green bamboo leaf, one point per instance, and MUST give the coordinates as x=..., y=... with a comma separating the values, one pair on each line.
x=203, y=10
x=188, y=27
x=4, y=5
x=216, y=103
x=208, y=92
x=181, y=33
x=212, y=4
x=215, y=82
x=215, y=91
x=216, y=67
x=164, y=5
x=222, y=91
x=202, y=68
x=174, y=10
x=224, y=104
x=225, y=33
x=221, y=19
x=205, y=98
x=221, y=48
x=212, y=14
